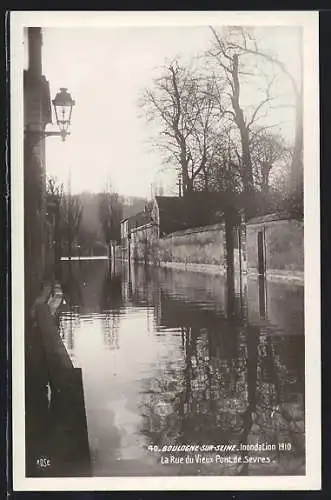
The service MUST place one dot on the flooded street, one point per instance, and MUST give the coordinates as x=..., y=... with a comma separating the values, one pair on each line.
x=171, y=358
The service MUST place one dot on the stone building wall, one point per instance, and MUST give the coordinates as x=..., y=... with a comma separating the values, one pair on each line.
x=144, y=244
x=37, y=114
x=201, y=249
x=204, y=248
x=201, y=245
x=282, y=247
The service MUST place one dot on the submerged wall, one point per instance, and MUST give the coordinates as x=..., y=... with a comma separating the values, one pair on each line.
x=143, y=244
x=278, y=242
x=282, y=246
x=198, y=246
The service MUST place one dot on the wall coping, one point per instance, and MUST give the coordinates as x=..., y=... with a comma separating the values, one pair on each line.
x=275, y=217
x=285, y=276
x=145, y=226
x=193, y=230
x=278, y=275
x=215, y=269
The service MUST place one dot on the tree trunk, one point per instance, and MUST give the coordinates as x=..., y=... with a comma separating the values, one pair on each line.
x=185, y=176
x=247, y=174
x=206, y=180
x=265, y=178
x=246, y=155
x=229, y=259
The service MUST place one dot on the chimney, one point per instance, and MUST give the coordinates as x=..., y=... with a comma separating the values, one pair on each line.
x=35, y=43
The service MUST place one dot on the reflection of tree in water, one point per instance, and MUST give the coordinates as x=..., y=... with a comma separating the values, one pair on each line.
x=270, y=416
x=112, y=292
x=185, y=403
x=110, y=328
x=142, y=291
x=73, y=301
x=112, y=302
x=236, y=383
x=126, y=278
x=68, y=322
x=72, y=290
x=271, y=370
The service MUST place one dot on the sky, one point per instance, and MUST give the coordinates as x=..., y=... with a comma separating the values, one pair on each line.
x=105, y=70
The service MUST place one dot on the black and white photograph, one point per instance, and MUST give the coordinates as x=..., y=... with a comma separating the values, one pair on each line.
x=165, y=250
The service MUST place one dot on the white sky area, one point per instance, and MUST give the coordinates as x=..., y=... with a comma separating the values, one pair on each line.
x=105, y=70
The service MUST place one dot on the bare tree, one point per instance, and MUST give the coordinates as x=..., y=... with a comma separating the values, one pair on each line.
x=234, y=68
x=110, y=214
x=212, y=126
x=267, y=150
x=183, y=103
x=71, y=216
x=54, y=204
x=248, y=44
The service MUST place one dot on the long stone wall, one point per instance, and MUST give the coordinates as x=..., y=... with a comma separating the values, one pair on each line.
x=203, y=249
x=283, y=248
x=198, y=248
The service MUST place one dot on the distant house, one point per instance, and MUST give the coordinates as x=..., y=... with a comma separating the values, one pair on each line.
x=164, y=216
x=128, y=225
x=171, y=213
x=168, y=214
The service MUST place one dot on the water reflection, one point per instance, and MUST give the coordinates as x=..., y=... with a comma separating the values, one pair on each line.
x=172, y=357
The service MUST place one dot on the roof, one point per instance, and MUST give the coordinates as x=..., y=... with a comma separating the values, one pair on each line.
x=283, y=215
x=171, y=213
x=168, y=202
x=195, y=209
x=138, y=220
x=170, y=205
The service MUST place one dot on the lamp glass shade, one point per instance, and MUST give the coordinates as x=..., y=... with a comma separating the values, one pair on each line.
x=63, y=104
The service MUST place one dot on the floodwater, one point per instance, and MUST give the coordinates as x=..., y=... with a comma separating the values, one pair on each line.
x=171, y=358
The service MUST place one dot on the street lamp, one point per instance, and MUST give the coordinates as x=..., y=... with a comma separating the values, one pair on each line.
x=63, y=104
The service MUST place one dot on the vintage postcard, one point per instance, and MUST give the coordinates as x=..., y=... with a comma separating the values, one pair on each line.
x=165, y=250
